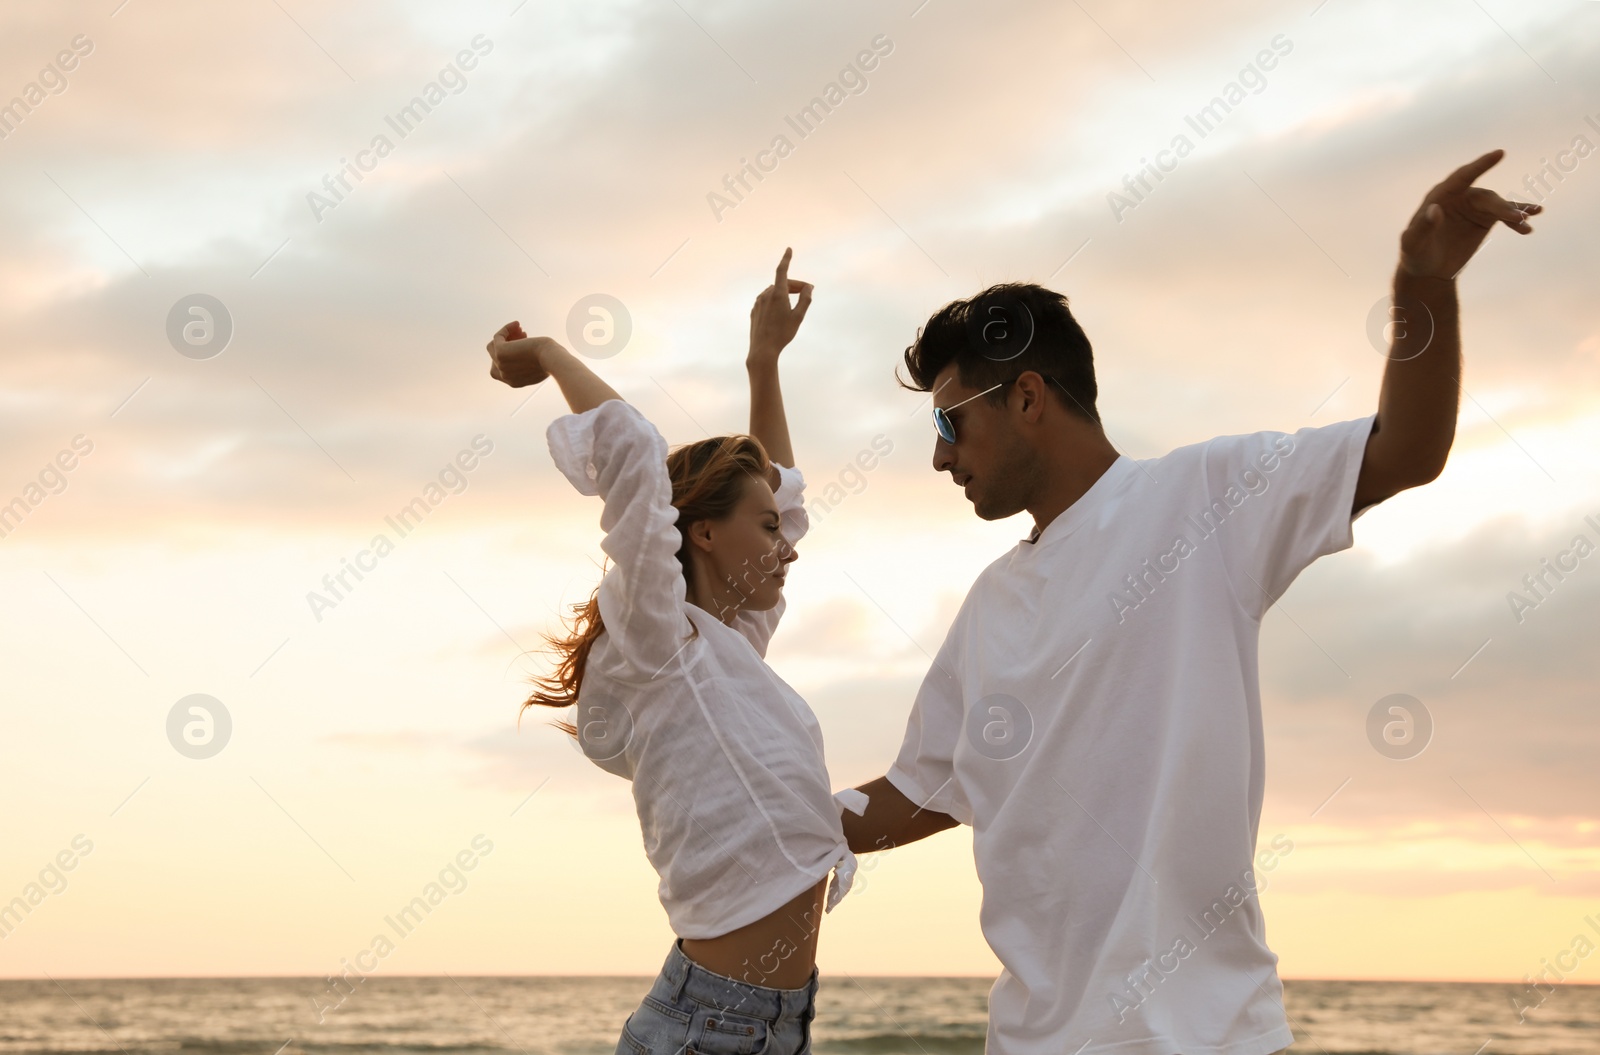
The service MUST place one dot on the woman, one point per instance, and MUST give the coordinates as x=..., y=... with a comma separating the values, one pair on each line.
x=666, y=665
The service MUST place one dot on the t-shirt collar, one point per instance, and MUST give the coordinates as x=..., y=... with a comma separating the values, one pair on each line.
x=1069, y=518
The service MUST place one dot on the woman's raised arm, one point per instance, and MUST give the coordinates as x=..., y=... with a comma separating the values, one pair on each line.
x=606, y=447
x=520, y=360
x=773, y=323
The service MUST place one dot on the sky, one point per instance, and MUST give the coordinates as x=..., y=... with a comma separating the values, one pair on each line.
x=335, y=370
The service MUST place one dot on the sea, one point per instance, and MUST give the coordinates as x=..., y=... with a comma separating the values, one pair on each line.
x=583, y=1016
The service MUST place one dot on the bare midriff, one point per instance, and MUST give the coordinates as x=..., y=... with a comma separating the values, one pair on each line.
x=777, y=951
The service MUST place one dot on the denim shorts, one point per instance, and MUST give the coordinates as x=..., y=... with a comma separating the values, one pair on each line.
x=692, y=1011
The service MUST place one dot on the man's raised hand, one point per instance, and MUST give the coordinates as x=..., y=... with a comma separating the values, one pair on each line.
x=514, y=356
x=773, y=322
x=1455, y=218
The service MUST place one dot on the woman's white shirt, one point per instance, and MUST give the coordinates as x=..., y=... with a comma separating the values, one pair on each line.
x=725, y=758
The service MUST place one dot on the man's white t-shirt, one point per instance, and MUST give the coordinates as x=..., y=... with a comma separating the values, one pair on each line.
x=1095, y=715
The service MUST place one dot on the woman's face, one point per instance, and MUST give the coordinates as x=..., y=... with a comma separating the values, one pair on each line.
x=745, y=555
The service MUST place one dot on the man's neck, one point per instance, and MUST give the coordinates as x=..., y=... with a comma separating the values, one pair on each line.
x=1066, y=481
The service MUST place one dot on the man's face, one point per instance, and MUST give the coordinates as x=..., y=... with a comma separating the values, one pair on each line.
x=988, y=460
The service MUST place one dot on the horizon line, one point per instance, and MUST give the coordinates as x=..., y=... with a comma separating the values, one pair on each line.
x=986, y=977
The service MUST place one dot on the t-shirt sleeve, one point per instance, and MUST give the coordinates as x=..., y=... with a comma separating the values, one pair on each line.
x=924, y=771
x=759, y=627
x=1278, y=501
x=612, y=451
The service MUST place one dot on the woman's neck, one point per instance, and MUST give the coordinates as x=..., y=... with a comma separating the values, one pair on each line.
x=703, y=592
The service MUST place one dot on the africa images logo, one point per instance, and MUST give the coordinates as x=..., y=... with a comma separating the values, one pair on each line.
x=1001, y=329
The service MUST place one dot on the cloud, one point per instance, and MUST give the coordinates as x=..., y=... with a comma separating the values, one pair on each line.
x=1514, y=739
x=356, y=347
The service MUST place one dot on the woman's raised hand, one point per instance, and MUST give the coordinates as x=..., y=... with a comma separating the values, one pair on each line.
x=514, y=356
x=520, y=360
x=773, y=321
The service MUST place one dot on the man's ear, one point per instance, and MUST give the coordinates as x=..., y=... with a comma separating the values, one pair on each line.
x=1031, y=386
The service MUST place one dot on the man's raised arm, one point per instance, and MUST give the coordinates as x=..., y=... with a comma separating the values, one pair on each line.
x=889, y=820
x=1417, y=406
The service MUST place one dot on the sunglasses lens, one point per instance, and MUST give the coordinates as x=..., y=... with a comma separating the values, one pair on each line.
x=941, y=422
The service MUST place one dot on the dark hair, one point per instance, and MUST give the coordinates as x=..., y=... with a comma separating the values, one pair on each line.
x=998, y=334
x=708, y=481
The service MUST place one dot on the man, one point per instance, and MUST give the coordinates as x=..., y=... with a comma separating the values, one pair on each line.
x=1094, y=712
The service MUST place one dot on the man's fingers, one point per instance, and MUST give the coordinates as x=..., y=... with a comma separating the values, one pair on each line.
x=1490, y=207
x=1515, y=216
x=805, y=302
x=1462, y=177
x=783, y=270
x=1508, y=211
